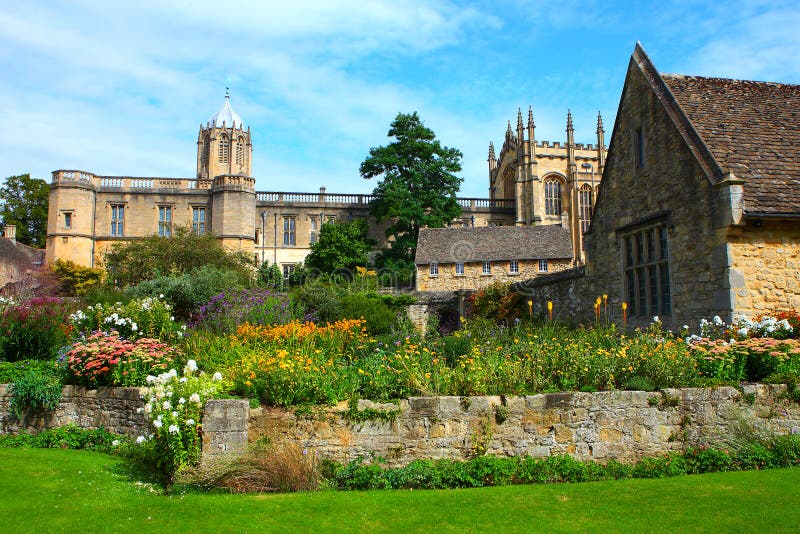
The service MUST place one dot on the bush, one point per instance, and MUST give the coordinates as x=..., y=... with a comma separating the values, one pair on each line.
x=69, y=436
x=132, y=262
x=148, y=317
x=109, y=360
x=186, y=292
x=13, y=371
x=175, y=408
x=224, y=312
x=497, y=303
x=76, y=279
x=35, y=391
x=707, y=460
x=34, y=330
x=379, y=317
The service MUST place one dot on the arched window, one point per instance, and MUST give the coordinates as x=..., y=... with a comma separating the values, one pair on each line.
x=223, y=148
x=240, y=151
x=204, y=153
x=552, y=196
x=585, y=203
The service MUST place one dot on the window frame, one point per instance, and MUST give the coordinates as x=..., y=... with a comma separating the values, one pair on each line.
x=164, y=220
x=552, y=197
x=486, y=268
x=289, y=231
x=117, y=228
x=68, y=217
x=198, y=226
x=646, y=273
x=544, y=266
x=433, y=269
x=513, y=267
x=456, y=268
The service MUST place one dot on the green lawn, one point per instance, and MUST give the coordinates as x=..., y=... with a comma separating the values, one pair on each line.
x=50, y=490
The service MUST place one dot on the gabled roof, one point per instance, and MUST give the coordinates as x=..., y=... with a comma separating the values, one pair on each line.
x=747, y=129
x=492, y=243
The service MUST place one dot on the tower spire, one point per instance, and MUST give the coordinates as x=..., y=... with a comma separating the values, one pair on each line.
x=492, y=159
x=601, y=148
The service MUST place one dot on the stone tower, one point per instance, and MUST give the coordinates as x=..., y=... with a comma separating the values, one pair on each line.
x=223, y=145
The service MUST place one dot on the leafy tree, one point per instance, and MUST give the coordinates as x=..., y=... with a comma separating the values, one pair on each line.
x=417, y=187
x=341, y=246
x=269, y=275
x=135, y=261
x=23, y=202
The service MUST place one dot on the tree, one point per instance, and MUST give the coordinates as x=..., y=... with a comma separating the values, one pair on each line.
x=132, y=262
x=23, y=202
x=341, y=246
x=417, y=187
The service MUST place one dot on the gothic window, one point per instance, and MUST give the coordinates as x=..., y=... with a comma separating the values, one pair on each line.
x=552, y=196
x=224, y=148
x=289, y=231
x=164, y=221
x=313, y=233
x=117, y=220
x=646, y=273
x=240, y=151
x=199, y=220
x=585, y=203
x=204, y=153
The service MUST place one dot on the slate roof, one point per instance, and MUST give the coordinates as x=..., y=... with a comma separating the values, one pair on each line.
x=492, y=243
x=752, y=129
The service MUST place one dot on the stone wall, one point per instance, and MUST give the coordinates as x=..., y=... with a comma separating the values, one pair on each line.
x=766, y=267
x=114, y=409
x=568, y=291
x=625, y=425
x=474, y=279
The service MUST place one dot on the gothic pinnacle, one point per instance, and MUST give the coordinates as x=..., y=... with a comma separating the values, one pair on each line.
x=530, y=117
x=491, y=151
x=569, y=120
x=599, y=123
x=519, y=119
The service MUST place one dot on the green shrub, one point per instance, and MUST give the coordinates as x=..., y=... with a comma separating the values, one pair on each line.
x=320, y=299
x=639, y=383
x=786, y=450
x=34, y=391
x=69, y=436
x=707, y=460
x=378, y=315
x=141, y=318
x=13, y=371
x=659, y=467
x=187, y=291
x=76, y=279
x=34, y=330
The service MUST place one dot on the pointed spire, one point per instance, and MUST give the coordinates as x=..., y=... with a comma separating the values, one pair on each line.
x=519, y=119
x=530, y=117
x=509, y=134
x=491, y=151
x=600, y=123
x=569, y=120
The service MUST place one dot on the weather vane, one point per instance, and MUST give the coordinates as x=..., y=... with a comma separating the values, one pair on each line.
x=227, y=87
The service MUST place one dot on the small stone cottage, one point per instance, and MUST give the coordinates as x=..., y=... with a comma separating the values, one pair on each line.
x=451, y=259
x=699, y=209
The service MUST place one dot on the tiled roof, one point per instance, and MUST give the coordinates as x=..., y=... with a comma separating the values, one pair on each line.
x=492, y=243
x=753, y=130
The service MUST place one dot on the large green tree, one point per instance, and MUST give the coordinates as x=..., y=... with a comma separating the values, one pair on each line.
x=341, y=246
x=23, y=203
x=417, y=187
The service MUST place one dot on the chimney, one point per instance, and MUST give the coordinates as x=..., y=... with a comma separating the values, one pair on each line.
x=10, y=233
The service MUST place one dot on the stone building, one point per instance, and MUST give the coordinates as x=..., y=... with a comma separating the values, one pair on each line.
x=699, y=211
x=88, y=212
x=550, y=183
x=452, y=259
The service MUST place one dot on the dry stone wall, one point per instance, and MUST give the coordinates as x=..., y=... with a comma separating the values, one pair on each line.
x=115, y=409
x=625, y=425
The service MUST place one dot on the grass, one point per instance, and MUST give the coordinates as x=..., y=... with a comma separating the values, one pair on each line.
x=79, y=491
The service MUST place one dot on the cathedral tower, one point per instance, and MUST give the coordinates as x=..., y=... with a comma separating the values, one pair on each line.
x=223, y=145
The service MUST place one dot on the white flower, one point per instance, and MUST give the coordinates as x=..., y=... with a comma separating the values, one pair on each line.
x=190, y=422
x=115, y=443
x=148, y=408
x=173, y=429
x=140, y=440
x=134, y=327
x=157, y=423
x=181, y=401
x=183, y=380
x=151, y=379
x=139, y=410
x=171, y=318
x=655, y=319
x=717, y=320
x=174, y=414
x=194, y=397
x=217, y=377
x=161, y=295
x=167, y=405
x=686, y=327
x=191, y=367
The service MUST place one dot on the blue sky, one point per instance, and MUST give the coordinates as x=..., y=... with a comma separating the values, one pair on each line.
x=121, y=88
